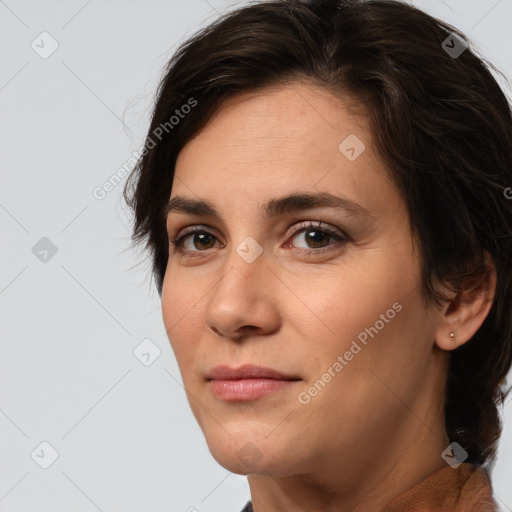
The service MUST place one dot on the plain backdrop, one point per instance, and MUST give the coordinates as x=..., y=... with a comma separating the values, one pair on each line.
x=85, y=424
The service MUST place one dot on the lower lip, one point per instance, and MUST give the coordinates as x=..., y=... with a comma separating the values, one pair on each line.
x=247, y=389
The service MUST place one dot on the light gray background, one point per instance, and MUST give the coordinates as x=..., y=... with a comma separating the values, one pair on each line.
x=125, y=437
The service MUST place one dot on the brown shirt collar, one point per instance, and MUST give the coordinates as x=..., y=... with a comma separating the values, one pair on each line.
x=466, y=488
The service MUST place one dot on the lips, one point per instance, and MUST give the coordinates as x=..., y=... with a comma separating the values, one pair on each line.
x=247, y=371
x=248, y=382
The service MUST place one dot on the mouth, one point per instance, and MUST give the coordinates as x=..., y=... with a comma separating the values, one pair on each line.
x=248, y=382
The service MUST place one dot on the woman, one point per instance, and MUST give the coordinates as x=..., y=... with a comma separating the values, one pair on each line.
x=325, y=195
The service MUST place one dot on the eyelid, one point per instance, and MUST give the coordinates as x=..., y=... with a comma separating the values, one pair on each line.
x=321, y=226
x=177, y=238
x=179, y=233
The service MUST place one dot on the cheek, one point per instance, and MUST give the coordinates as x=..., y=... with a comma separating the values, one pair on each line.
x=180, y=300
x=371, y=310
x=182, y=319
x=340, y=303
x=382, y=358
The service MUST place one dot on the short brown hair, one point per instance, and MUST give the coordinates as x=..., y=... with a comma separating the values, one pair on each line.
x=440, y=122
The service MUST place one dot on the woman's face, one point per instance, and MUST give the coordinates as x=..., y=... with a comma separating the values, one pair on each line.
x=337, y=306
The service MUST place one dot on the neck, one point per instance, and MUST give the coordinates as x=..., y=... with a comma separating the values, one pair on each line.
x=365, y=488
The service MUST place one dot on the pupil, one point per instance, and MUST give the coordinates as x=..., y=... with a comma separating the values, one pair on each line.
x=316, y=236
x=202, y=237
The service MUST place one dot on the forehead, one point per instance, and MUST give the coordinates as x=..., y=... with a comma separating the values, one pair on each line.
x=284, y=119
x=282, y=139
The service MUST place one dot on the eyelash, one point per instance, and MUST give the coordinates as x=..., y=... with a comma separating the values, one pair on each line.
x=177, y=240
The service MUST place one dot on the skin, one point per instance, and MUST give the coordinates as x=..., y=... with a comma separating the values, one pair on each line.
x=376, y=429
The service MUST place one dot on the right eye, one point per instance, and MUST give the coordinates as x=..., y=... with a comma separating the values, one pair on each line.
x=200, y=239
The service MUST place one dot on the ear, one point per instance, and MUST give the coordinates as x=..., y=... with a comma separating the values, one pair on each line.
x=466, y=312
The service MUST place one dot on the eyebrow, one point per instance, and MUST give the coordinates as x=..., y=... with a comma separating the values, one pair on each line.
x=279, y=206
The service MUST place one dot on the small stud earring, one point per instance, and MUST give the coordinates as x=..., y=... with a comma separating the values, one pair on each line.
x=452, y=336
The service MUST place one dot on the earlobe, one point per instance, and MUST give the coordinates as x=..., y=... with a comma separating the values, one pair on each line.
x=466, y=312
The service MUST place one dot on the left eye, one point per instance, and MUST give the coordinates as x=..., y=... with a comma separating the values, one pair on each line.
x=316, y=237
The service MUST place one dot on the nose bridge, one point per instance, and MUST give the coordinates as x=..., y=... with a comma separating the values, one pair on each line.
x=240, y=298
x=243, y=267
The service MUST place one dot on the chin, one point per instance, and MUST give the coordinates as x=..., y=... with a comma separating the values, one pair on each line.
x=245, y=453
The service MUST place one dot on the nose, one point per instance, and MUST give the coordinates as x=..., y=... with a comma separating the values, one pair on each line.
x=244, y=301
